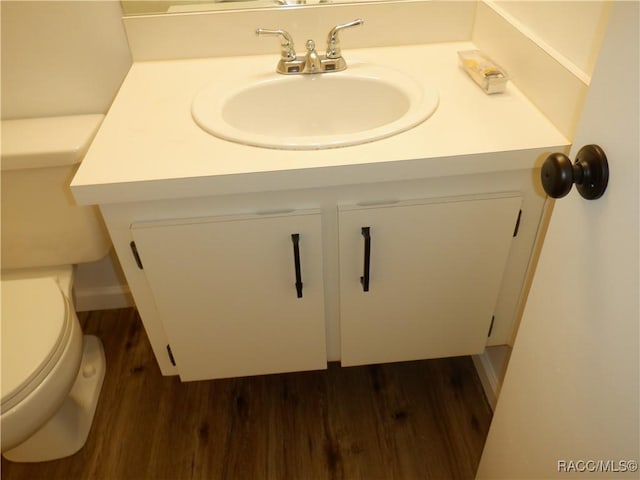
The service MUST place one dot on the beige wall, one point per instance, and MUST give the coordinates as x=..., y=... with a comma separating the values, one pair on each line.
x=145, y=7
x=61, y=57
x=573, y=28
x=541, y=57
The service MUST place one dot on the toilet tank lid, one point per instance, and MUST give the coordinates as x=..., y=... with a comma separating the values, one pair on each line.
x=48, y=141
x=33, y=321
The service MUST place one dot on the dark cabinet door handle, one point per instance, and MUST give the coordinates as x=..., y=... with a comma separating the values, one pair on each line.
x=364, y=279
x=295, y=238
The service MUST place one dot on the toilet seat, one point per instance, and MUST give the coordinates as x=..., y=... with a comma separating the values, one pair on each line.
x=34, y=334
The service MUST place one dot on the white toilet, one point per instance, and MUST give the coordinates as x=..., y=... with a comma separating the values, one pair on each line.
x=51, y=373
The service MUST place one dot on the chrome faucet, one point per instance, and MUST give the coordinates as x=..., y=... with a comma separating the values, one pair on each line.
x=331, y=61
x=312, y=61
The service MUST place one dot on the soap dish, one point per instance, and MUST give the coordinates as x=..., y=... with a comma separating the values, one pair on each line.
x=484, y=71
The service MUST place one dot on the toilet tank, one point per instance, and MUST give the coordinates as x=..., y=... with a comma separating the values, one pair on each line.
x=41, y=224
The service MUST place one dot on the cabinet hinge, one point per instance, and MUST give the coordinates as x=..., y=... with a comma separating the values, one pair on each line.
x=136, y=255
x=515, y=230
x=170, y=353
x=491, y=326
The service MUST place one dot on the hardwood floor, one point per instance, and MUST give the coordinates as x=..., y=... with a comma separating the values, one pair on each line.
x=409, y=421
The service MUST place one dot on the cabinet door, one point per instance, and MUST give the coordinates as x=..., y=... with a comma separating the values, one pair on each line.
x=226, y=291
x=435, y=270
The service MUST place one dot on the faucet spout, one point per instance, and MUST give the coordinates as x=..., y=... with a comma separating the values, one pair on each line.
x=312, y=63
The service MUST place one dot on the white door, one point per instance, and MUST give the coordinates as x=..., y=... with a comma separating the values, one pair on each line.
x=570, y=402
x=434, y=273
x=234, y=296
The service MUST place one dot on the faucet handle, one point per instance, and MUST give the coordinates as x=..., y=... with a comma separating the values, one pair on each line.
x=333, y=42
x=286, y=42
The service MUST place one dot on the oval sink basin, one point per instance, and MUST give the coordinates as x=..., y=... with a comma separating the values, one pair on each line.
x=302, y=112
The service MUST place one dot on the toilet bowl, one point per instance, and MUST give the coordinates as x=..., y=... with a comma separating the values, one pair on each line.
x=51, y=373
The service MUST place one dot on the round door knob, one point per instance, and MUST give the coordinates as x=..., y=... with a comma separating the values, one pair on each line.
x=590, y=173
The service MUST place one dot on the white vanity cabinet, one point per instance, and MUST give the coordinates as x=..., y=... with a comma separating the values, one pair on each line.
x=421, y=279
x=215, y=277
x=246, y=294
x=229, y=296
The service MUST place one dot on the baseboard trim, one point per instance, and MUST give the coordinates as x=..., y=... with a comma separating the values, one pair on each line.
x=488, y=377
x=102, y=298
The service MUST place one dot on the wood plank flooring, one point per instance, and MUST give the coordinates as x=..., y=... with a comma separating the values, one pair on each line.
x=405, y=421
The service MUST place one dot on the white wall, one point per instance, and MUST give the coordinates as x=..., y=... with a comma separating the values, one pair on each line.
x=229, y=33
x=61, y=57
x=574, y=29
x=548, y=49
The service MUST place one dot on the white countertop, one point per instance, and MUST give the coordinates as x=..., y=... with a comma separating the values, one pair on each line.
x=149, y=147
